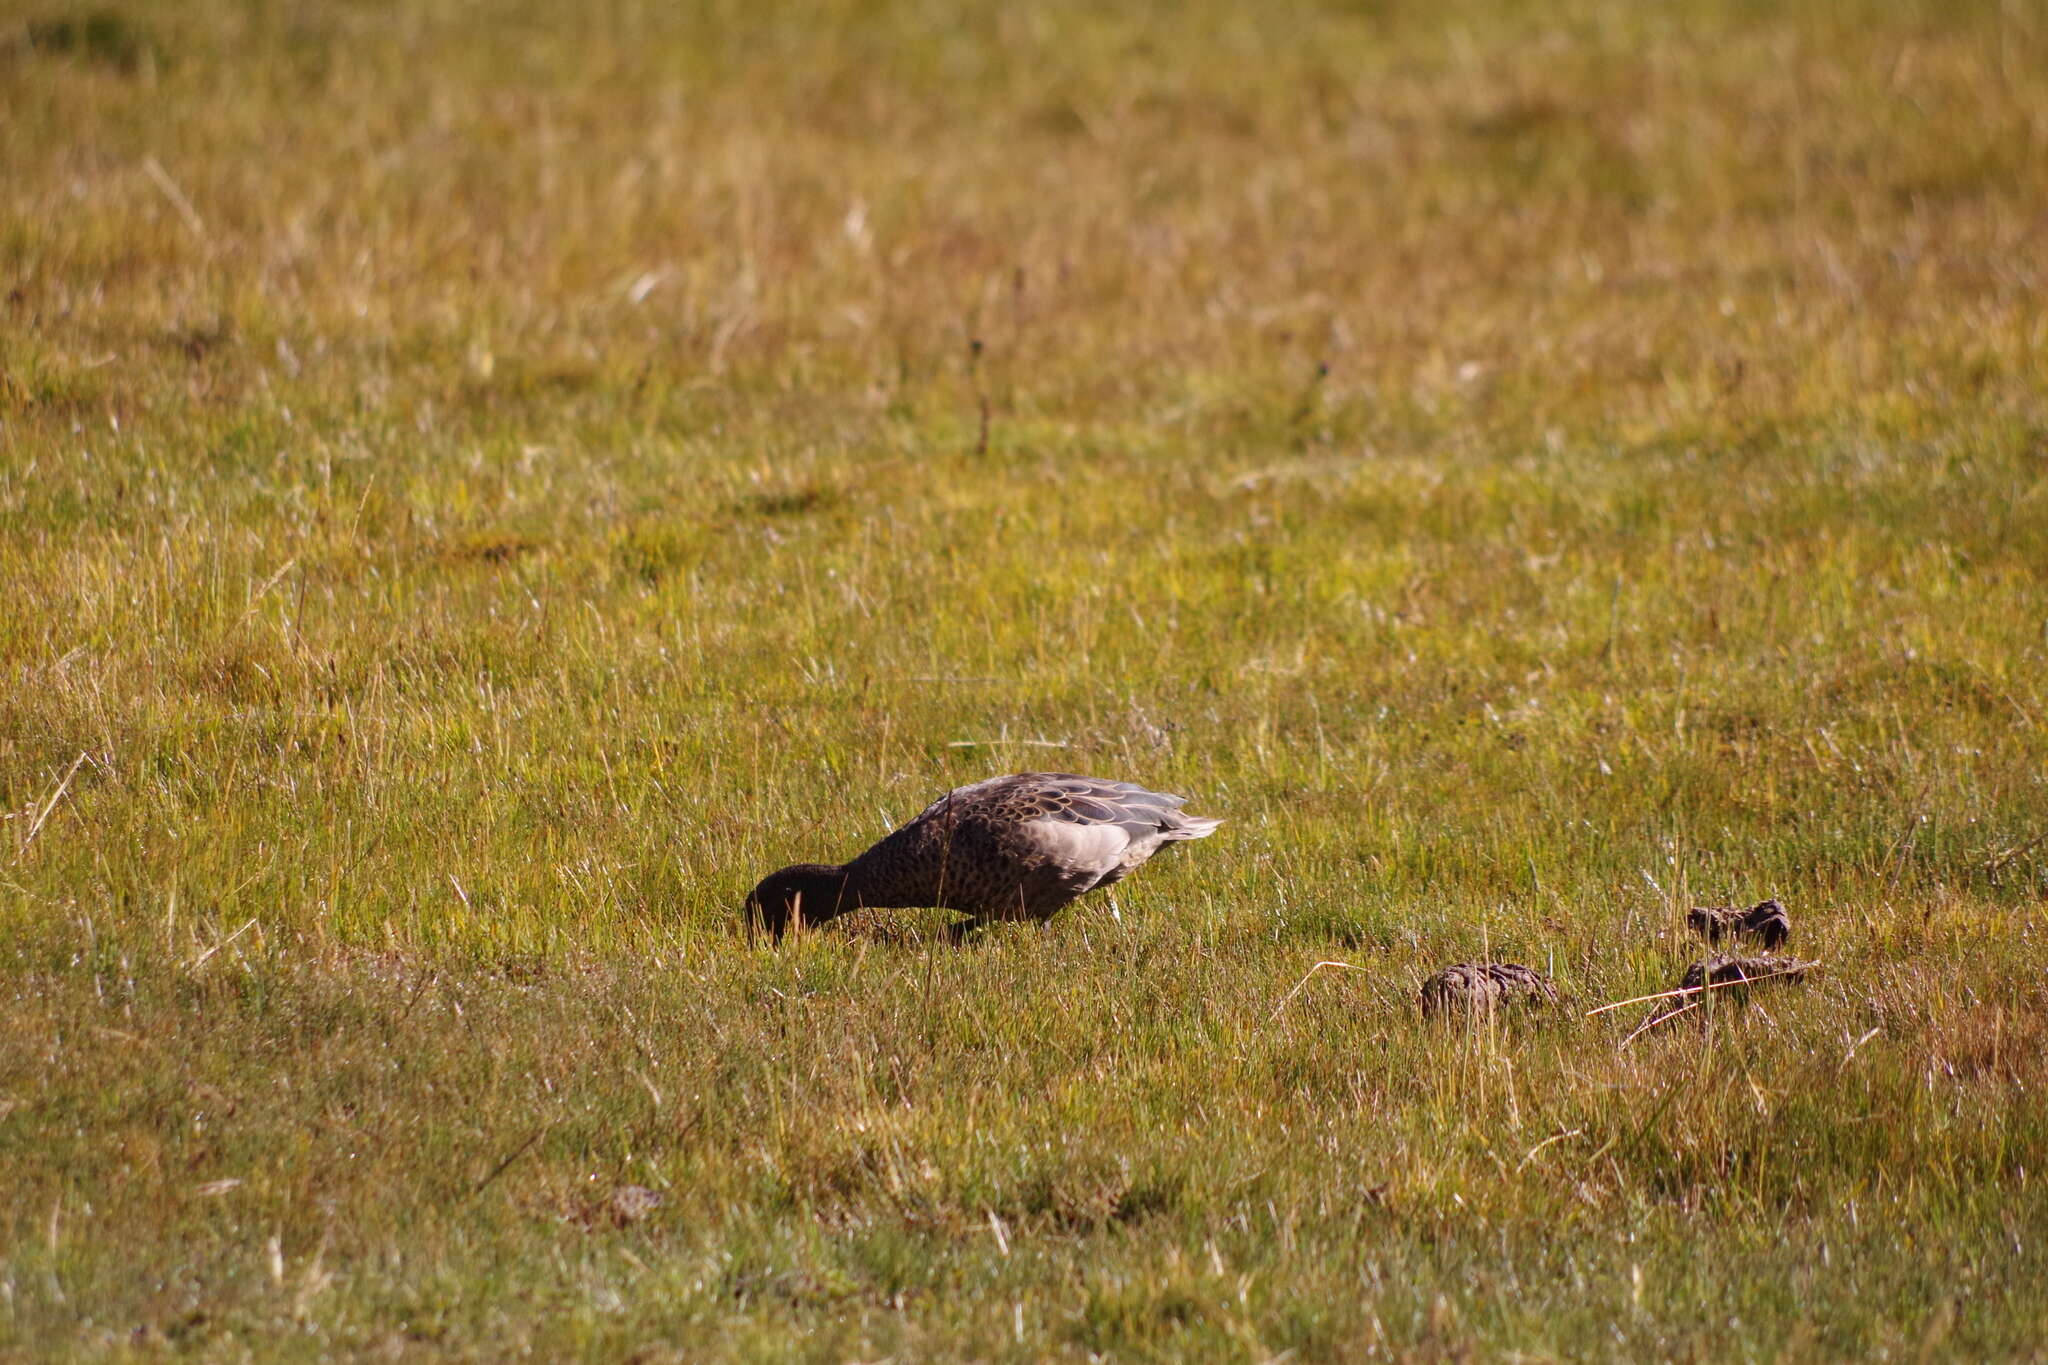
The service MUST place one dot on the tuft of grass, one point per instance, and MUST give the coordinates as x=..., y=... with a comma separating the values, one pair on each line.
x=479, y=486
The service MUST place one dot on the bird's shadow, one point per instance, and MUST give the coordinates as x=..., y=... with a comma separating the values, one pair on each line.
x=904, y=929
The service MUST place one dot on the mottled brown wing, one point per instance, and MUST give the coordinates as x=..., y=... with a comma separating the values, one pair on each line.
x=1079, y=800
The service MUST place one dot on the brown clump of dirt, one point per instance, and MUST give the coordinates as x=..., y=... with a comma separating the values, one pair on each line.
x=1725, y=974
x=631, y=1203
x=592, y=1210
x=1737, y=971
x=1478, y=987
x=1766, y=922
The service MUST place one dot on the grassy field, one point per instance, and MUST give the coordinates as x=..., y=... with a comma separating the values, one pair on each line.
x=480, y=483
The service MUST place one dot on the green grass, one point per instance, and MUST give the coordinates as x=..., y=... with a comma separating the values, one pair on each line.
x=481, y=485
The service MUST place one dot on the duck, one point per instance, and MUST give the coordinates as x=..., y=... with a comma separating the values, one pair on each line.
x=1016, y=848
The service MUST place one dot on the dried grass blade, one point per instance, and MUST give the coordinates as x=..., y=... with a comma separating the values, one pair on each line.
x=1347, y=966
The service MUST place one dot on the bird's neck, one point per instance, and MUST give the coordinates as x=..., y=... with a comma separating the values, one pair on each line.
x=878, y=881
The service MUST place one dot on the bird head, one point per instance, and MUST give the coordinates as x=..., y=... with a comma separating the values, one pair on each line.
x=806, y=894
